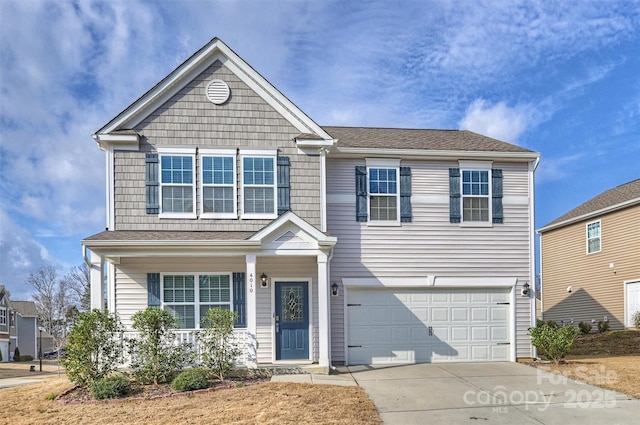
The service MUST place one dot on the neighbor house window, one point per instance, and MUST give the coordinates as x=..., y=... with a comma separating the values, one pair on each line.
x=189, y=297
x=475, y=196
x=3, y=316
x=218, y=184
x=177, y=184
x=258, y=185
x=593, y=237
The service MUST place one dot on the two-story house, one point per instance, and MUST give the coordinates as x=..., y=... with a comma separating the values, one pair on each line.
x=5, y=325
x=590, y=260
x=333, y=244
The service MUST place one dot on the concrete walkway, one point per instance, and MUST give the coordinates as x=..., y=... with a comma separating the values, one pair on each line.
x=495, y=393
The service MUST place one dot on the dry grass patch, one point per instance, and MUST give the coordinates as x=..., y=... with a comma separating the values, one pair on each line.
x=265, y=403
x=619, y=373
x=613, y=343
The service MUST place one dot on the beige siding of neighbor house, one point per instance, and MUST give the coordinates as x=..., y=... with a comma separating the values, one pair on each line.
x=597, y=288
x=131, y=288
x=430, y=245
x=189, y=119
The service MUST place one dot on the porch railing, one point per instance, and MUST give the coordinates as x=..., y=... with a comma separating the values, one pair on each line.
x=188, y=336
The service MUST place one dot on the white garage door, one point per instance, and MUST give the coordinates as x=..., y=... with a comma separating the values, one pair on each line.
x=387, y=326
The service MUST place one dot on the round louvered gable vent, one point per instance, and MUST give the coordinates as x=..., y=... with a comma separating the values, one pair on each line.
x=218, y=92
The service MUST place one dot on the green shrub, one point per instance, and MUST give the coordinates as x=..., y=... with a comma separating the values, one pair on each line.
x=553, y=341
x=585, y=327
x=16, y=355
x=636, y=319
x=191, y=379
x=551, y=323
x=94, y=348
x=218, y=350
x=26, y=358
x=114, y=386
x=603, y=326
x=155, y=355
x=51, y=396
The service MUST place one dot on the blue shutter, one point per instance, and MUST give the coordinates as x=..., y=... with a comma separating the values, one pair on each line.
x=405, y=194
x=240, y=299
x=361, y=193
x=152, y=185
x=284, y=188
x=496, y=196
x=153, y=289
x=454, y=195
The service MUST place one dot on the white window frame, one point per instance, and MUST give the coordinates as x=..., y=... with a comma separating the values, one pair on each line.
x=482, y=166
x=162, y=152
x=196, y=296
x=259, y=154
x=383, y=164
x=219, y=153
x=599, y=237
x=3, y=316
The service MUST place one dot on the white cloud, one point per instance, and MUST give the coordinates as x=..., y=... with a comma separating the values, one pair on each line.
x=558, y=168
x=498, y=121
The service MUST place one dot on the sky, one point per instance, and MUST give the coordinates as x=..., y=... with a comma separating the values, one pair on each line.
x=558, y=77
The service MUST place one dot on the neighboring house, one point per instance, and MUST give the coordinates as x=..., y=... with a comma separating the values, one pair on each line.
x=25, y=332
x=590, y=260
x=334, y=245
x=5, y=324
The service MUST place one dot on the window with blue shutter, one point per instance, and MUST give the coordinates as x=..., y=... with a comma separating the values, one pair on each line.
x=153, y=289
x=284, y=188
x=496, y=196
x=240, y=299
x=152, y=184
x=454, y=195
x=361, y=193
x=405, y=194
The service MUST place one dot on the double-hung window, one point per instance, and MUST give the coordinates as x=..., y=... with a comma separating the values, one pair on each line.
x=177, y=183
x=188, y=297
x=218, y=183
x=3, y=316
x=259, y=184
x=593, y=237
x=475, y=196
x=383, y=191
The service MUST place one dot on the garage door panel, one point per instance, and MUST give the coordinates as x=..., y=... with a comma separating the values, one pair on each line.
x=399, y=326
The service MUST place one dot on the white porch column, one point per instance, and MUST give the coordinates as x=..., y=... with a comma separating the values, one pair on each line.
x=97, y=282
x=252, y=341
x=323, y=311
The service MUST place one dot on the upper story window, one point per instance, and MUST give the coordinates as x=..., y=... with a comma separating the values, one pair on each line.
x=475, y=196
x=3, y=316
x=383, y=194
x=177, y=183
x=189, y=297
x=593, y=237
x=218, y=184
x=259, y=184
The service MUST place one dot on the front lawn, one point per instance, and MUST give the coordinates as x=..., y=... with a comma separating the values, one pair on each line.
x=264, y=403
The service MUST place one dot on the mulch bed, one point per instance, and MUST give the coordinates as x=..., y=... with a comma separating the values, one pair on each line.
x=79, y=395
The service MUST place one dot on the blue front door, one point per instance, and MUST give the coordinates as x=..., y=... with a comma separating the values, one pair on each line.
x=292, y=320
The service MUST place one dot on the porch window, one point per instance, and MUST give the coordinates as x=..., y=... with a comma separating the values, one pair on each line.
x=189, y=297
x=593, y=237
x=258, y=186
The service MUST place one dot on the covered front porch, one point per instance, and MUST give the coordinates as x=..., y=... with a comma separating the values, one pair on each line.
x=276, y=279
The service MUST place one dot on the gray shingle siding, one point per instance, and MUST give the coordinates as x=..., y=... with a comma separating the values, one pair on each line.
x=246, y=121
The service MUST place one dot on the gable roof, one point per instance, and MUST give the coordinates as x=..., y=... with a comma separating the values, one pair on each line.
x=421, y=141
x=25, y=308
x=619, y=197
x=214, y=50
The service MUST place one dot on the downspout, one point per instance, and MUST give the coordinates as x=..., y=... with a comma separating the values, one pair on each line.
x=331, y=366
x=533, y=251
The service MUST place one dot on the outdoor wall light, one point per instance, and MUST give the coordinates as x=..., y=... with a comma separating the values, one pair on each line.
x=334, y=289
x=525, y=289
x=264, y=280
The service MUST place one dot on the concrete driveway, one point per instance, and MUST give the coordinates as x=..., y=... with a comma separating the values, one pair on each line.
x=489, y=393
